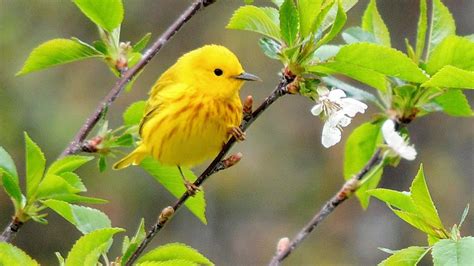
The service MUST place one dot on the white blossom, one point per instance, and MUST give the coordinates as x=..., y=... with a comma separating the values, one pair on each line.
x=396, y=142
x=337, y=110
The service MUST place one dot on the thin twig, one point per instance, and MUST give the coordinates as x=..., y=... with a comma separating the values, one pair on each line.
x=216, y=165
x=349, y=187
x=75, y=145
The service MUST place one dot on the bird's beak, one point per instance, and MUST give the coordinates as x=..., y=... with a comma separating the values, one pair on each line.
x=248, y=77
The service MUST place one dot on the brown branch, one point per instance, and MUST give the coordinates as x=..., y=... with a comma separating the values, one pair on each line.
x=216, y=165
x=10, y=230
x=344, y=193
x=76, y=145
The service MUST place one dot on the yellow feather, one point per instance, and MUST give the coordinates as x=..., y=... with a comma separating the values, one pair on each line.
x=191, y=108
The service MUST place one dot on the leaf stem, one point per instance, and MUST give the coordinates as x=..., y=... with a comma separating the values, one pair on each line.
x=218, y=164
x=91, y=121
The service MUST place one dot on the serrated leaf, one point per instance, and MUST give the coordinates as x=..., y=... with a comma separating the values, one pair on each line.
x=74, y=180
x=336, y=27
x=85, y=219
x=455, y=51
x=141, y=44
x=170, y=178
x=289, y=22
x=397, y=199
x=54, y=185
x=68, y=164
x=328, y=19
x=454, y=103
x=325, y=52
x=13, y=256
x=35, y=164
x=308, y=10
x=175, y=251
x=442, y=26
x=262, y=20
x=418, y=222
x=451, y=77
x=176, y=262
x=278, y=3
x=423, y=202
x=405, y=257
x=270, y=47
x=8, y=165
x=126, y=140
x=421, y=31
x=11, y=187
x=74, y=198
x=364, y=75
x=454, y=253
x=107, y=14
x=134, y=113
x=372, y=22
x=357, y=34
x=88, y=248
x=56, y=52
x=381, y=59
x=360, y=147
x=130, y=246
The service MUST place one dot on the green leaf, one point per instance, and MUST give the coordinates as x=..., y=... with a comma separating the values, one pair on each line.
x=364, y=75
x=405, y=257
x=421, y=32
x=12, y=188
x=454, y=103
x=170, y=178
x=84, y=218
x=398, y=199
x=328, y=20
x=278, y=3
x=451, y=253
x=54, y=185
x=325, y=52
x=74, y=198
x=451, y=77
x=176, y=262
x=336, y=27
x=263, y=20
x=56, y=52
x=356, y=34
x=74, y=180
x=126, y=140
x=88, y=248
x=360, y=147
x=107, y=14
x=308, y=10
x=68, y=164
x=372, y=22
x=175, y=251
x=381, y=59
x=422, y=200
x=141, y=44
x=13, y=256
x=289, y=22
x=270, y=47
x=442, y=26
x=8, y=165
x=134, y=113
x=130, y=246
x=102, y=163
x=35, y=164
x=455, y=51
x=418, y=222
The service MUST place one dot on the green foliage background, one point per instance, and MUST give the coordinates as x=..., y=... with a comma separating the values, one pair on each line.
x=245, y=218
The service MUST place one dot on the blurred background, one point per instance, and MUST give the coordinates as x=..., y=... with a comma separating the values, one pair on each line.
x=286, y=175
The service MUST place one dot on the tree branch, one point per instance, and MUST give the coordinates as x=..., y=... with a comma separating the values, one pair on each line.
x=10, y=230
x=344, y=193
x=216, y=165
x=91, y=121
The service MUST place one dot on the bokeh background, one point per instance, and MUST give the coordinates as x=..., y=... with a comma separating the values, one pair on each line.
x=286, y=174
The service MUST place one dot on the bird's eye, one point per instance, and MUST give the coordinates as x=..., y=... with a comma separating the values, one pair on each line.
x=218, y=72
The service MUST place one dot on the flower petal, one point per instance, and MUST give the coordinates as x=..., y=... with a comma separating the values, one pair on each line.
x=408, y=152
x=352, y=106
x=322, y=91
x=396, y=142
x=331, y=135
x=336, y=94
x=317, y=109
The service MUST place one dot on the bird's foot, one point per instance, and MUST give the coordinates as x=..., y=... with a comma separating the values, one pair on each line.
x=191, y=188
x=238, y=133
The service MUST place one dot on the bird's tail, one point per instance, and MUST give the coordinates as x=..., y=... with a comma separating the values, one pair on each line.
x=134, y=158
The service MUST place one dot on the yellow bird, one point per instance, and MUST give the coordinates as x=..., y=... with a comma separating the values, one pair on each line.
x=193, y=109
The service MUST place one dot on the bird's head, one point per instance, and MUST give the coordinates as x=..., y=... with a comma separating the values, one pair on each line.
x=215, y=70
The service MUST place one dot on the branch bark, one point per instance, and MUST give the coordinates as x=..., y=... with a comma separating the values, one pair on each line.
x=216, y=165
x=76, y=144
x=344, y=193
x=91, y=121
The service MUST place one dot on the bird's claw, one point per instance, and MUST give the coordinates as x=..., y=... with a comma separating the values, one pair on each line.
x=238, y=133
x=191, y=188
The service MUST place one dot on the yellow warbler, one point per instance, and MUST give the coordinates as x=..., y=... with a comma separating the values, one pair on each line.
x=193, y=109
